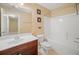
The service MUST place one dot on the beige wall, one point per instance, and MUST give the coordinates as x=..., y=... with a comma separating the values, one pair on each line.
x=35, y=24
x=65, y=9
x=26, y=22
x=29, y=21
x=34, y=6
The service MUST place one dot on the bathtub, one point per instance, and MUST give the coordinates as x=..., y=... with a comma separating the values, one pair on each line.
x=63, y=49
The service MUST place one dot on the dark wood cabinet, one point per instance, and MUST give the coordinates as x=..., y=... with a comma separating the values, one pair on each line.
x=30, y=48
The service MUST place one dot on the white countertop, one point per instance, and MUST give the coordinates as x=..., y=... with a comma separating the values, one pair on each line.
x=15, y=40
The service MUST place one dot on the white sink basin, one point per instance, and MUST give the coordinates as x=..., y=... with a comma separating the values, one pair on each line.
x=7, y=40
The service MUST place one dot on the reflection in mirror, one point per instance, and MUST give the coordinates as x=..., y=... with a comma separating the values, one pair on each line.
x=15, y=18
x=13, y=24
x=9, y=25
x=4, y=25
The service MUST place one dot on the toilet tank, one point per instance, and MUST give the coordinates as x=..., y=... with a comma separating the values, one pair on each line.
x=41, y=37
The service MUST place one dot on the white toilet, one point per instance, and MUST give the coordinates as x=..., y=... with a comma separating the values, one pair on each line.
x=44, y=44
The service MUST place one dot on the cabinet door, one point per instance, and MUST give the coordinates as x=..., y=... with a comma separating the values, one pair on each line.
x=29, y=48
x=32, y=49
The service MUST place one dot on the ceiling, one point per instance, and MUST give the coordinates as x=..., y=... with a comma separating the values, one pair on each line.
x=21, y=9
x=14, y=8
x=51, y=6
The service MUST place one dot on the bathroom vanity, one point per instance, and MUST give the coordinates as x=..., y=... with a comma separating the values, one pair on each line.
x=29, y=48
x=24, y=45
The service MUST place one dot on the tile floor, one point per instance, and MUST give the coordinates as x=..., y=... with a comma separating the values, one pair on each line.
x=48, y=51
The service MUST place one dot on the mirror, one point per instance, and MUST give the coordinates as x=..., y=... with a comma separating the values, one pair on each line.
x=10, y=25
x=14, y=19
x=9, y=22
